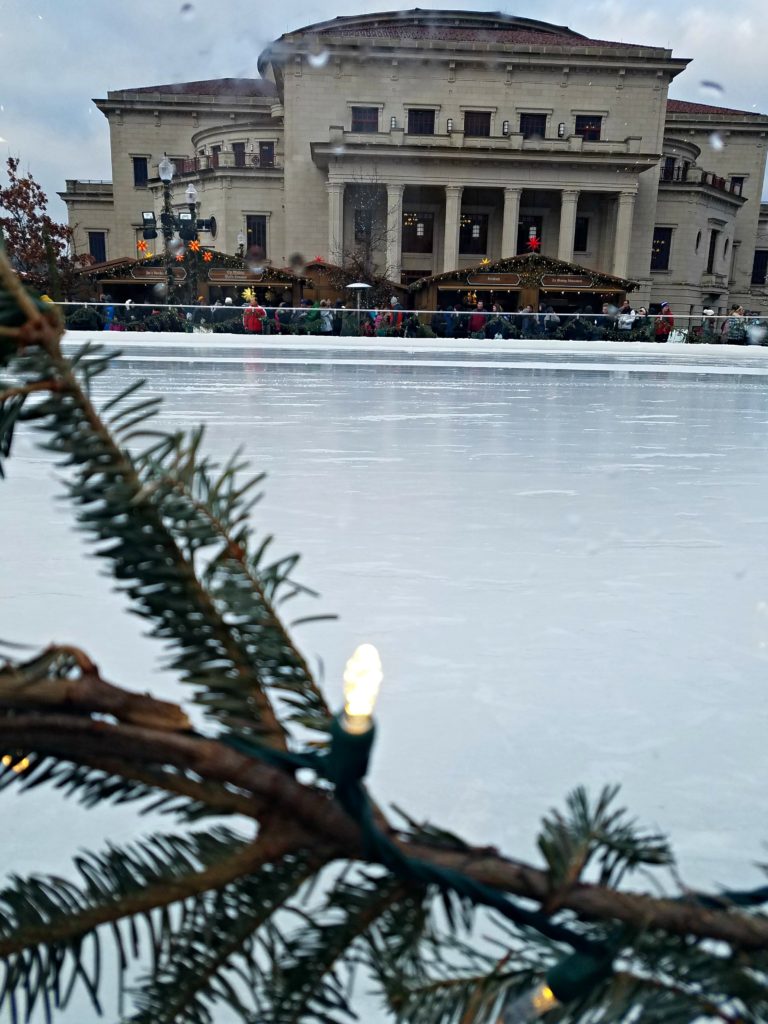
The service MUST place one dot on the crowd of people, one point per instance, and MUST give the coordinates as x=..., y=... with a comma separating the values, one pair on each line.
x=462, y=321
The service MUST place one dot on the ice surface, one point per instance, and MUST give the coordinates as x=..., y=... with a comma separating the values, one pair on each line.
x=561, y=556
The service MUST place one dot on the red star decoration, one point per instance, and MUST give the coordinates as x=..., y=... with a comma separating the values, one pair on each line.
x=180, y=257
x=207, y=256
x=533, y=243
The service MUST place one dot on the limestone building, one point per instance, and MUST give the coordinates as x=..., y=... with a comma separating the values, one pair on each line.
x=431, y=140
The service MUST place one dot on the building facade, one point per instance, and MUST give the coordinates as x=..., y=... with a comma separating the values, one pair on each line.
x=422, y=142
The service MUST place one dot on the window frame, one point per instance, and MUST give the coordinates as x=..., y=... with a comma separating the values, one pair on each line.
x=249, y=240
x=370, y=108
x=470, y=247
x=669, y=233
x=587, y=133
x=584, y=220
x=532, y=114
x=91, y=232
x=137, y=179
x=427, y=217
x=760, y=257
x=468, y=114
x=418, y=111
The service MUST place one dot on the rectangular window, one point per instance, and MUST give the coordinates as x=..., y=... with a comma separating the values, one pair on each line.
x=421, y=122
x=418, y=231
x=238, y=148
x=737, y=183
x=266, y=154
x=713, y=237
x=473, y=234
x=363, y=224
x=477, y=123
x=365, y=119
x=97, y=245
x=662, y=245
x=524, y=226
x=760, y=266
x=588, y=126
x=215, y=150
x=256, y=233
x=581, y=235
x=533, y=126
x=668, y=168
x=140, y=171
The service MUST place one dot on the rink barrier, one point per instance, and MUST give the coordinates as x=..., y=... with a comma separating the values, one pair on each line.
x=414, y=323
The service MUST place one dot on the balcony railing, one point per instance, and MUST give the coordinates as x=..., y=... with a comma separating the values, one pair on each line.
x=688, y=176
x=246, y=161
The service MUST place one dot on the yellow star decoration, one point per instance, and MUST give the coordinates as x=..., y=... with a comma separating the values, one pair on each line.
x=484, y=261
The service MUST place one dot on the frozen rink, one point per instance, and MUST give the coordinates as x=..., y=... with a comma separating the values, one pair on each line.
x=560, y=554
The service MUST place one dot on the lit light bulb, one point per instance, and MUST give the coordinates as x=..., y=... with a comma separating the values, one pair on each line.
x=20, y=766
x=362, y=679
x=529, y=1006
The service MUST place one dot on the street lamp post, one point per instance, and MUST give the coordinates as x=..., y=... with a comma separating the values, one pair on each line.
x=191, y=194
x=165, y=170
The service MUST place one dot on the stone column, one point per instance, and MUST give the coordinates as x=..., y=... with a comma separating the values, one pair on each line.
x=335, y=221
x=510, y=222
x=569, y=201
x=394, y=267
x=623, y=237
x=451, y=233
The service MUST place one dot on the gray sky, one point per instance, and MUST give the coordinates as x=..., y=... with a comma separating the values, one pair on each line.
x=58, y=54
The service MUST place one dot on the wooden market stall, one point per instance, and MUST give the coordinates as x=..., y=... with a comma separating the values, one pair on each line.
x=206, y=273
x=519, y=281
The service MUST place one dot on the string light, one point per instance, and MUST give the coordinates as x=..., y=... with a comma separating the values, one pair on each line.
x=16, y=766
x=530, y=1006
x=362, y=680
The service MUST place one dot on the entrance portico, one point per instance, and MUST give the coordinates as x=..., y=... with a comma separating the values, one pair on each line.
x=417, y=230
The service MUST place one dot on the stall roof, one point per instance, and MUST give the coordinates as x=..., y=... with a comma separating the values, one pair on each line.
x=127, y=268
x=532, y=268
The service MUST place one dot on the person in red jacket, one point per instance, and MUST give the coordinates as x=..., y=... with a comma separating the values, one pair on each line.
x=665, y=323
x=253, y=316
x=478, y=319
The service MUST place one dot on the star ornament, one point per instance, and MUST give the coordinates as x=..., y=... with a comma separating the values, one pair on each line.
x=194, y=245
x=484, y=262
x=141, y=245
x=207, y=256
x=179, y=257
x=534, y=244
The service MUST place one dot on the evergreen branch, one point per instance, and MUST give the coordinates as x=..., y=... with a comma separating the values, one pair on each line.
x=197, y=956
x=109, y=482
x=46, y=681
x=113, y=893
x=327, y=824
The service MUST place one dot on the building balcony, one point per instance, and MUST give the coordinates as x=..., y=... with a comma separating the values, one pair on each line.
x=695, y=177
x=227, y=161
x=456, y=144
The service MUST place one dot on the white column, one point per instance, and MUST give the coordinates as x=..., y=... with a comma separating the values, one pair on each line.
x=510, y=222
x=569, y=201
x=623, y=237
x=451, y=234
x=394, y=267
x=335, y=221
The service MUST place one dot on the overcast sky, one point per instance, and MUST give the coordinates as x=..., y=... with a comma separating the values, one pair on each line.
x=59, y=54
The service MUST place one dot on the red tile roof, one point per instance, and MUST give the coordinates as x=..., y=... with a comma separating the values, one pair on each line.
x=686, y=107
x=210, y=87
